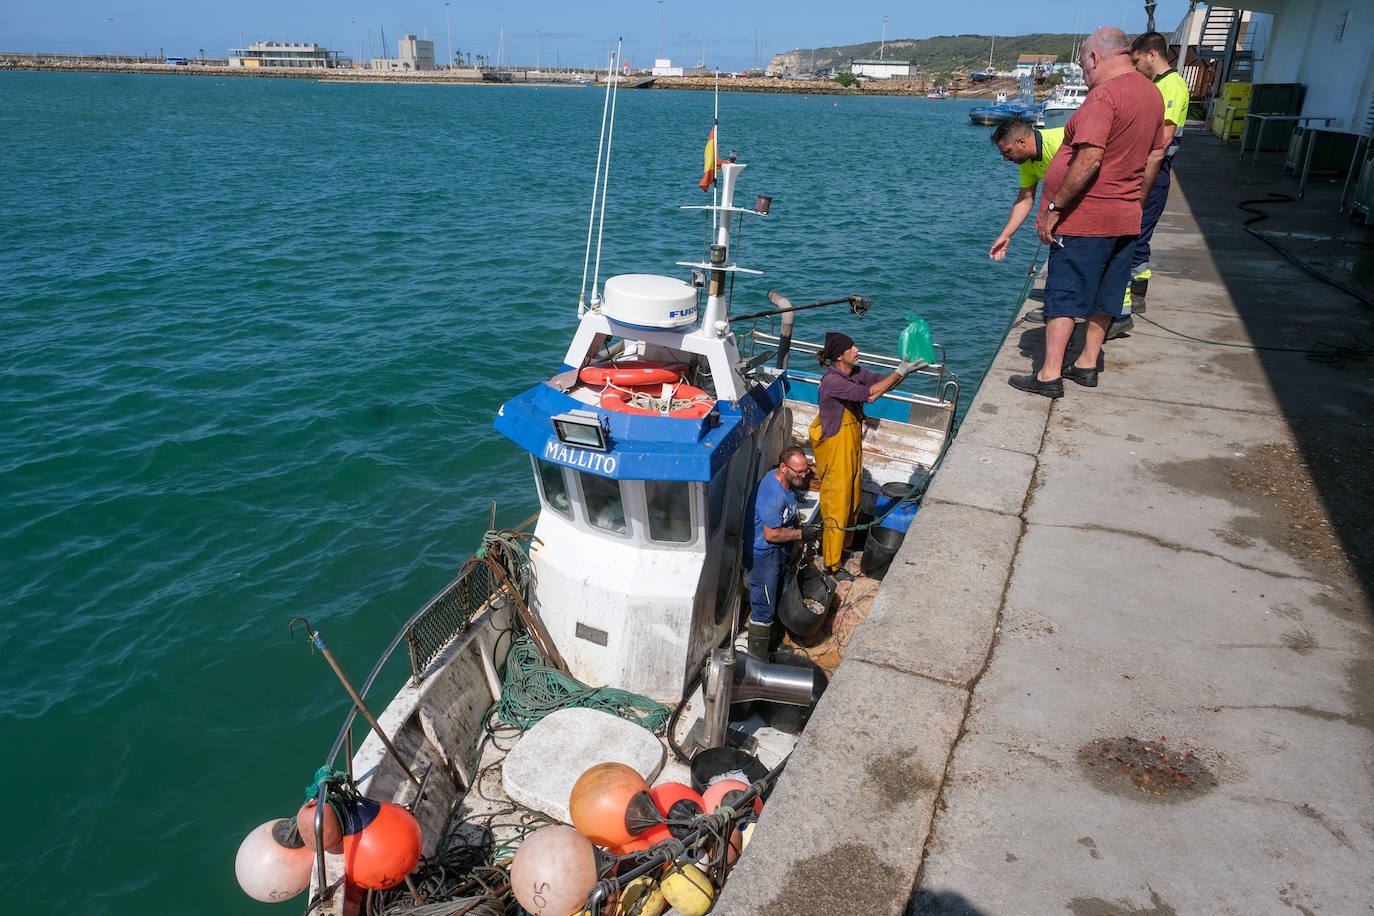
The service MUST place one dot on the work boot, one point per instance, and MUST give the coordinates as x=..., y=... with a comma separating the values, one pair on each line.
x=760, y=636
x=1139, y=286
x=1119, y=326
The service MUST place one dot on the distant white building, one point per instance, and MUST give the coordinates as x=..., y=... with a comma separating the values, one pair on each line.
x=291, y=54
x=1032, y=64
x=883, y=69
x=416, y=53
x=663, y=66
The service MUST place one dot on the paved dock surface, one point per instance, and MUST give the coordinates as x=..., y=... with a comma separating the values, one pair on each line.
x=1124, y=662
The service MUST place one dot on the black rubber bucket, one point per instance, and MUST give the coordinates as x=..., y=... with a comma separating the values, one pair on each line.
x=879, y=550
x=805, y=601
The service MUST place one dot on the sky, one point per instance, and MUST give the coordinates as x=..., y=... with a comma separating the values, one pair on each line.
x=544, y=32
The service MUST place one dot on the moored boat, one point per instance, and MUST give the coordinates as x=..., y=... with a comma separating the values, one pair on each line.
x=987, y=115
x=1060, y=106
x=644, y=443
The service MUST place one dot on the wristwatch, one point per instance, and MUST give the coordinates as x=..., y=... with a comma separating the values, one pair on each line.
x=1053, y=209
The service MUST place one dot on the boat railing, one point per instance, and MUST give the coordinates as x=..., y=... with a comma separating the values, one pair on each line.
x=944, y=382
x=431, y=629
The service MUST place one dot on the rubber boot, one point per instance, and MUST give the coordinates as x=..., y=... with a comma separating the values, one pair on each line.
x=1139, y=286
x=760, y=635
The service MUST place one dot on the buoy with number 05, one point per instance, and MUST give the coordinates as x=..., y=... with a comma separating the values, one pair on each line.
x=272, y=863
x=553, y=871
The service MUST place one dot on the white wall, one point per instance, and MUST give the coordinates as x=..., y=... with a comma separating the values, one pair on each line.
x=1339, y=75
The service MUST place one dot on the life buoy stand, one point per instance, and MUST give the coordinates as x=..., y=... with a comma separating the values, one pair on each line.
x=699, y=402
x=631, y=373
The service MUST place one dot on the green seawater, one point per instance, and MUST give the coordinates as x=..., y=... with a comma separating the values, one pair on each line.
x=254, y=335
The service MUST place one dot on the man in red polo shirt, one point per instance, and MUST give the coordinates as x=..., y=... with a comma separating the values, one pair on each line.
x=1090, y=208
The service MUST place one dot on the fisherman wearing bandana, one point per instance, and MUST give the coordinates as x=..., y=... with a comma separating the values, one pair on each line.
x=837, y=440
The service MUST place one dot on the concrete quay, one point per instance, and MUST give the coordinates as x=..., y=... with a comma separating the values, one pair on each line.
x=1124, y=661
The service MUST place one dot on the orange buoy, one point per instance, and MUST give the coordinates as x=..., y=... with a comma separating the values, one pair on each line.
x=726, y=792
x=272, y=863
x=618, y=400
x=553, y=871
x=381, y=843
x=679, y=805
x=655, y=834
x=610, y=803
x=305, y=823
x=631, y=372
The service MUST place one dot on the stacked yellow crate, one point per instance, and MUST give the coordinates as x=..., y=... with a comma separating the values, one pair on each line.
x=1228, y=117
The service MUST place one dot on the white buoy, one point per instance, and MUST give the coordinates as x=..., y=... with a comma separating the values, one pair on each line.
x=273, y=864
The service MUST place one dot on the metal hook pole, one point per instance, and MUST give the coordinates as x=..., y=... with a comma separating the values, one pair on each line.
x=318, y=642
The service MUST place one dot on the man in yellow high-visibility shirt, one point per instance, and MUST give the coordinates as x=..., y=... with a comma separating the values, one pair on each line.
x=1031, y=149
x=1150, y=56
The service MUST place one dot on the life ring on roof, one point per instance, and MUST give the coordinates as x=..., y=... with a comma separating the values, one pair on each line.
x=698, y=403
x=631, y=373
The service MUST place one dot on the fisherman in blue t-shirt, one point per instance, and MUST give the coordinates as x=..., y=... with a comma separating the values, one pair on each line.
x=772, y=523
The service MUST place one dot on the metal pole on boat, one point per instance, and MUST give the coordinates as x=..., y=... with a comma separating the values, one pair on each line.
x=318, y=642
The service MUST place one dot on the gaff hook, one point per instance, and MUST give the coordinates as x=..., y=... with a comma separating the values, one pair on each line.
x=317, y=641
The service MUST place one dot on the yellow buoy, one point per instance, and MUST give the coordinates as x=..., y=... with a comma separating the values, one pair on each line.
x=641, y=897
x=688, y=889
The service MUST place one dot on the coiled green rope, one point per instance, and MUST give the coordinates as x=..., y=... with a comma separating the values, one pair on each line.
x=533, y=689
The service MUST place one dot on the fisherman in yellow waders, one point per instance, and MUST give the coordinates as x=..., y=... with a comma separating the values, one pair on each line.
x=837, y=441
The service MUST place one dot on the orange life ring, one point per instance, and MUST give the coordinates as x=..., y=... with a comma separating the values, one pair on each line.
x=618, y=399
x=634, y=372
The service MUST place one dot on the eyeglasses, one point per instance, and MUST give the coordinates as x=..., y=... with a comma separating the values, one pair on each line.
x=804, y=472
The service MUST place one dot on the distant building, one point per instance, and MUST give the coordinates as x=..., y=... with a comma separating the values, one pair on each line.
x=1035, y=64
x=416, y=53
x=271, y=54
x=883, y=69
x=663, y=66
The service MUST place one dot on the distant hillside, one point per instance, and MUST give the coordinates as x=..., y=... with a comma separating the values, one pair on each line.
x=945, y=53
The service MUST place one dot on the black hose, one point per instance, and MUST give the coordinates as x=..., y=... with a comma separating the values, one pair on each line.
x=1276, y=198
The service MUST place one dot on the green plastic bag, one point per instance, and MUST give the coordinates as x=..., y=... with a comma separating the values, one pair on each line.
x=915, y=345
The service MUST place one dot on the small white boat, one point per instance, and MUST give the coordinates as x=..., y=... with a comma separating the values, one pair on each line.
x=1060, y=106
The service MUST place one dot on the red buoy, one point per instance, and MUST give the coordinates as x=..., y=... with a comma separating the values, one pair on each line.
x=305, y=823
x=381, y=843
x=727, y=792
x=610, y=804
x=679, y=804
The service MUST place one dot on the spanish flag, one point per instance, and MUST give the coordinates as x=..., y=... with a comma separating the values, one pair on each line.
x=712, y=163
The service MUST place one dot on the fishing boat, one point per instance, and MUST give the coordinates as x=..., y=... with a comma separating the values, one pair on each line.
x=1060, y=106
x=988, y=115
x=937, y=94
x=584, y=667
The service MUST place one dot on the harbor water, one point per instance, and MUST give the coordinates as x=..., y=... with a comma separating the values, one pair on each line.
x=255, y=332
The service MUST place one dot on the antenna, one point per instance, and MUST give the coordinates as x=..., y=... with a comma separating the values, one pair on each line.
x=596, y=186
x=606, y=175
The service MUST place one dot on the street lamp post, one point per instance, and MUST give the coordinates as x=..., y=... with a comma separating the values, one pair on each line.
x=449, y=29
x=660, y=29
x=357, y=46
x=114, y=38
x=536, y=51
x=883, y=42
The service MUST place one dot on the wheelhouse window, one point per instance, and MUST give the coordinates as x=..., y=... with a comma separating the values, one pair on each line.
x=554, y=487
x=605, y=505
x=670, y=510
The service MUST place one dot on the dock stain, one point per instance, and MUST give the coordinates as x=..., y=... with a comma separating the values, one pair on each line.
x=1087, y=842
x=1300, y=640
x=1144, y=770
x=1096, y=906
x=850, y=878
x=897, y=775
x=1278, y=501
